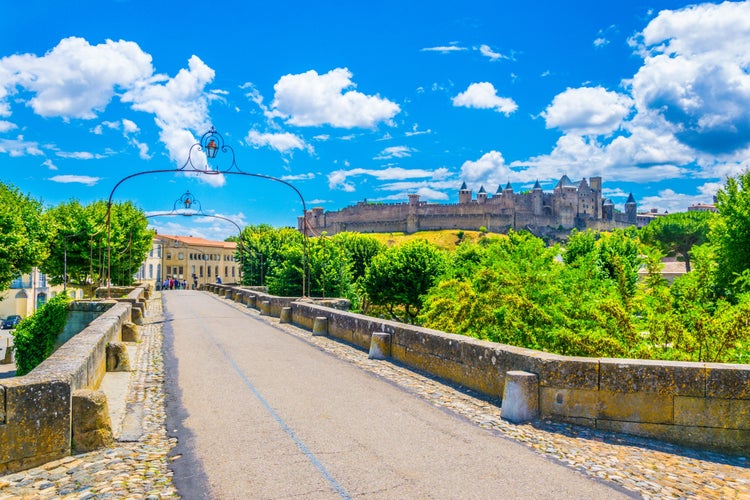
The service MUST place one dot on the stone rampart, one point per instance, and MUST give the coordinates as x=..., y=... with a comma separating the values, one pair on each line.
x=36, y=410
x=699, y=405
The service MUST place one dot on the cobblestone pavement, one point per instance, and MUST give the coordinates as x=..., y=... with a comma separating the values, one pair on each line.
x=140, y=469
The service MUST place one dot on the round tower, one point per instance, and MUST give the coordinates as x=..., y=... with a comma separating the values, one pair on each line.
x=464, y=194
x=631, y=210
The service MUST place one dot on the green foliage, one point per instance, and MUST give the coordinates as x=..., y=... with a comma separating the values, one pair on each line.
x=34, y=338
x=730, y=233
x=677, y=233
x=23, y=234
x=399, y=277
x=265, y=252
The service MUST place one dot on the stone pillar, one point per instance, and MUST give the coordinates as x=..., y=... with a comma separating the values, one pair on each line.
x=286, y=315
x=250, y=300
x=130, y=332
x=520, y=397
x=265, y=307
x=320, y=326
x=380, y=345
x=91, y=426
x=117, y=357
x=136, y=315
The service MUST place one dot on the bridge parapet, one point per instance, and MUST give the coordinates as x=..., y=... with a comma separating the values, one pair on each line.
x=36, y=415
x=700, y=405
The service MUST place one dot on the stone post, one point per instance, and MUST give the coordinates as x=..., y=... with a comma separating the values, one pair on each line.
x=118, y=359
x=286, y=315
x=265, y=307
x=320, y=326
x=91, y=426
x=380, y=345
x=520, y=397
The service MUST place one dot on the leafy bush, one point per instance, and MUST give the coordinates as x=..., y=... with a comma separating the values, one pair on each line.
x=34, y=338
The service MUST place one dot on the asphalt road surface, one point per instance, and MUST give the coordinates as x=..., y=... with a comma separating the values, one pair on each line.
x=259, y=413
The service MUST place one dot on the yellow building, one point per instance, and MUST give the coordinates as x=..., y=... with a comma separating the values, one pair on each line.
x=29, y=292
x=195, y=260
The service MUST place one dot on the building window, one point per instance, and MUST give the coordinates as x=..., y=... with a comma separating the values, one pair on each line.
x=200, y=269
x=226, y=271
x=150, y=271
x=217, y=271
x=208, y=270
x=180, y=256
x=158, y=251
x=169, y=255
x=41, y=298
x=232, y=271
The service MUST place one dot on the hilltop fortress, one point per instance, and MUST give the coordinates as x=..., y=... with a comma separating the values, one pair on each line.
x=568, y=206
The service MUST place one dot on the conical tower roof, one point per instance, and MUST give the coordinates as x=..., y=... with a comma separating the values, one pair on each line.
x=463, y=186
x=537, y=185
x=481, y=190
x=630, y=199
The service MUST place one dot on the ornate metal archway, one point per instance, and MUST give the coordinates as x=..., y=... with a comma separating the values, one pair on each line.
x=209, y=145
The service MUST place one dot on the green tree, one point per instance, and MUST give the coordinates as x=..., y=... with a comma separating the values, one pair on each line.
x=399, y=277
x=23, y=234
x=35, y=337
x=266, y=257
x=730, y=233
x=677, y=233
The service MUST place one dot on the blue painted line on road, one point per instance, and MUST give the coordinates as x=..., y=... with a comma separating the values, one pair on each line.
x=304, y=449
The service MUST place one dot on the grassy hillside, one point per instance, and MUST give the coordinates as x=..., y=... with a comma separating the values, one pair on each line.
x=447, y=239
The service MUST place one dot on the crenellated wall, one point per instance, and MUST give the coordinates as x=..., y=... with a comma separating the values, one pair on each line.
x=699, y=405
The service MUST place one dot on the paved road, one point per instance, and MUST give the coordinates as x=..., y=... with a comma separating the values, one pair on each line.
x=258, y=413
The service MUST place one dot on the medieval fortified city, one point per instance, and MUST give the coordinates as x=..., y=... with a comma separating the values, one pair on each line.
x=570, y=205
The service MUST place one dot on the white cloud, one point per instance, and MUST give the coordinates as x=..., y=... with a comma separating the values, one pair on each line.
x=587, y=110
x=489, y=171
x=484, y=96
x=444, y=49
x=75, y=79
x=298, y=177
x=487, y=52
x=75, y=179
x=600, y=42
x=79, y=155
x=49, y=164
x=310, y=99
x=20, y=147
x=668, y=200
x=5, y=126
x=281, y=142
x=695, y=74
x=338, y=178
x=415, y=131
x=394, y=152
x=129, y=127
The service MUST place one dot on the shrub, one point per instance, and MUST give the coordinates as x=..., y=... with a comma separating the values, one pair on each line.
x=34, y=337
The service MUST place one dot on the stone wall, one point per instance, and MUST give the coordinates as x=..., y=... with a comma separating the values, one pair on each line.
x=699, y=405
x=36, y=410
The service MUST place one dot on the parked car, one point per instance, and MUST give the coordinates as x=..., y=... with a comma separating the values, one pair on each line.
x=11, y=321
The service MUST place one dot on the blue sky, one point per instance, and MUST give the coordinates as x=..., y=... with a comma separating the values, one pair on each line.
x=351, y=101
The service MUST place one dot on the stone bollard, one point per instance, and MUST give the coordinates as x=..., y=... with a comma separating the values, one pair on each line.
x=265, y=307
x=250, y=300
x=286, y=315
x=520, y=397
x=380, y=345
x=130, y=332
x=8, y=358
x=117, y=357
x=90, y=422
x=320, y=326
x=136, y=315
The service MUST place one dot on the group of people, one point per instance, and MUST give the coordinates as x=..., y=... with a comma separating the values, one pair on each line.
x=173, y=284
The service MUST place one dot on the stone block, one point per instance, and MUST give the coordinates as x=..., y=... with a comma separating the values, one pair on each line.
x=136, y=315
x=651, y=376
x=265, y=307
x=728, y=381
x=118, y=359
x=286, y=315
x=320, y=326
x=92, y=428
x=250, y=300
x=130, y=332
x=712, y=412
x=564, y=372
x=380, y=345
x=520, y=397
x=568, y=403
x=636, y=407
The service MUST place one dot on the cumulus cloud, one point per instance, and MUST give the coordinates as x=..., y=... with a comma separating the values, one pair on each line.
x=75, y=179
x=5, y=126
x=587, y=110
x=310, y=99
x=80, y=155
x=695, y=74
x=338, y=179
x=49, y=164
x=484, y=96
x=75, y=79
x=281, y=142
x=489, y=171
x=20, y=147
